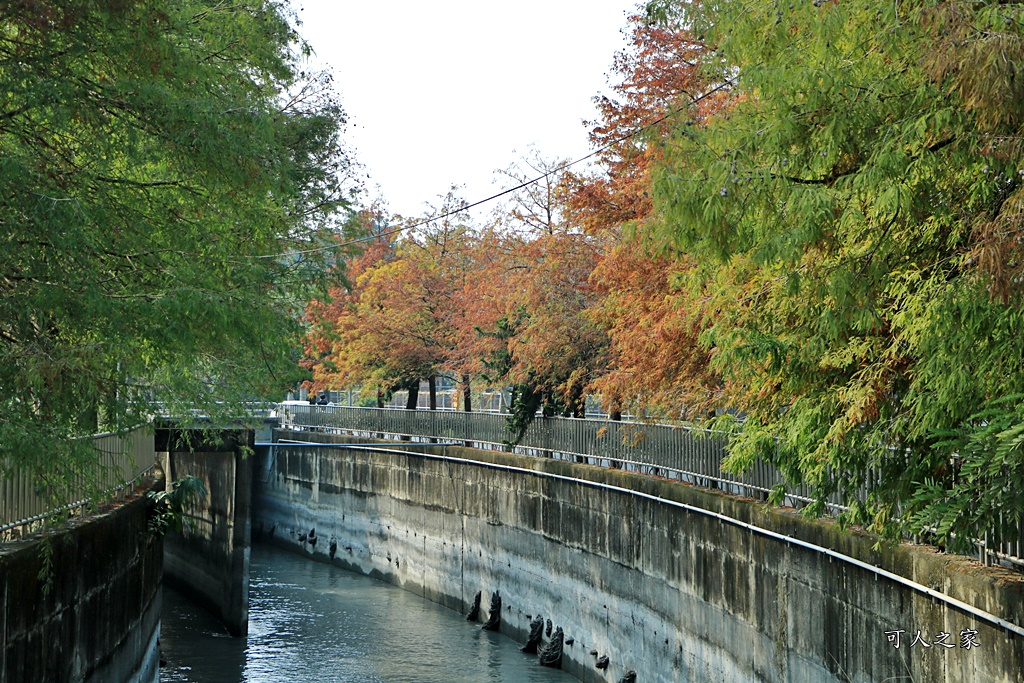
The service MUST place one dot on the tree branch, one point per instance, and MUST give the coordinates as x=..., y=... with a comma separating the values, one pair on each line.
x=831, y=178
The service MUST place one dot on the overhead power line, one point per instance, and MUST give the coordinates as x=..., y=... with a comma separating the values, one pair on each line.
x=393, y=231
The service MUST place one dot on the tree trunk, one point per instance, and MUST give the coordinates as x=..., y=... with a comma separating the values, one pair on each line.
x=467, y=396
x=615, y=411
x=380, y=404
x=432, y=389
x=615, y=415
x=547, y=405
x=579, y=402
x=414, y=395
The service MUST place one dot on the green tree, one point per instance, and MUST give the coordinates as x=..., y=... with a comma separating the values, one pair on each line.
x=856, y=214
x=160, y=164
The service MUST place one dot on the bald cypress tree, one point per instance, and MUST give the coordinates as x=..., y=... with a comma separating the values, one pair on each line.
x=856, y=212
x=158, y=163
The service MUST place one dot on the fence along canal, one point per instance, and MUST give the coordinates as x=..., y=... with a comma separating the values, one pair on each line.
x=687, y=454
x=122, y=460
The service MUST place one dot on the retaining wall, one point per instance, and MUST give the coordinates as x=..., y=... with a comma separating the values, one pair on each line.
x=673, y=594
x=210, y=561
x=99, y=620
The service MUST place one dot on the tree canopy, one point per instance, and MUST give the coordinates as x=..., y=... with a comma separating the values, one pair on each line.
x=855, y=214
x=395, y=319
x=158, y=162
x=543, y=299
x=807, y=220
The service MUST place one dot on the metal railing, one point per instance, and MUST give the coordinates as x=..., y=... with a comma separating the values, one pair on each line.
x=686, y=454
x=122, y=460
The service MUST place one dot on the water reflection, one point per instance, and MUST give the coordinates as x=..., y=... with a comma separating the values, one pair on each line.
x=312, y=622
x=196, y=646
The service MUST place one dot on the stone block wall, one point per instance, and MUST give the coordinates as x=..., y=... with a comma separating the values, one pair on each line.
x=98, y=620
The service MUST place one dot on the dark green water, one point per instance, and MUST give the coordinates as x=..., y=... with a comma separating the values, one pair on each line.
x=309, y=621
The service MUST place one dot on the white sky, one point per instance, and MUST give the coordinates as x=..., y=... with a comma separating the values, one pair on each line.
x=447, y=91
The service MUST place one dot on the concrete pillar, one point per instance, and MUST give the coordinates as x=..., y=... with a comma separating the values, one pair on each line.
x=210, y=560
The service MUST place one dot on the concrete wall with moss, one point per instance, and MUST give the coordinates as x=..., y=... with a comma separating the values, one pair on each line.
x=94, y=616
x=209, y=559
x=672, y=594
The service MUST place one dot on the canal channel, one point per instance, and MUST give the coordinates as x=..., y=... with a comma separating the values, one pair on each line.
x=309, y=621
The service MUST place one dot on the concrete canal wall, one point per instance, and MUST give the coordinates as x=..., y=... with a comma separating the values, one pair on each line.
x=210, y=560
x=98, y=621
x=658, y=587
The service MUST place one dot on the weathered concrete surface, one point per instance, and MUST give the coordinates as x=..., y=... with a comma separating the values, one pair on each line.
x=100, y=620
x=210, y=561
x=677, y=596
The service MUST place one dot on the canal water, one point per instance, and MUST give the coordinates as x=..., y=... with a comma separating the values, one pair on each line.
x=309, y=621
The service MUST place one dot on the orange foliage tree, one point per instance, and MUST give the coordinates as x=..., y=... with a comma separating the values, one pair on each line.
x=394, y=321
x=563, y=293
x=529, y=325
x=656, y=364
x=330, y=349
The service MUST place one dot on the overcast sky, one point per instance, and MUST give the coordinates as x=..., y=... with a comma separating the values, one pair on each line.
x=446, y=92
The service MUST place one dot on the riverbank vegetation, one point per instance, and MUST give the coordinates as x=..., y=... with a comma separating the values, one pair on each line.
x=808, y=214
x=157, y=160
